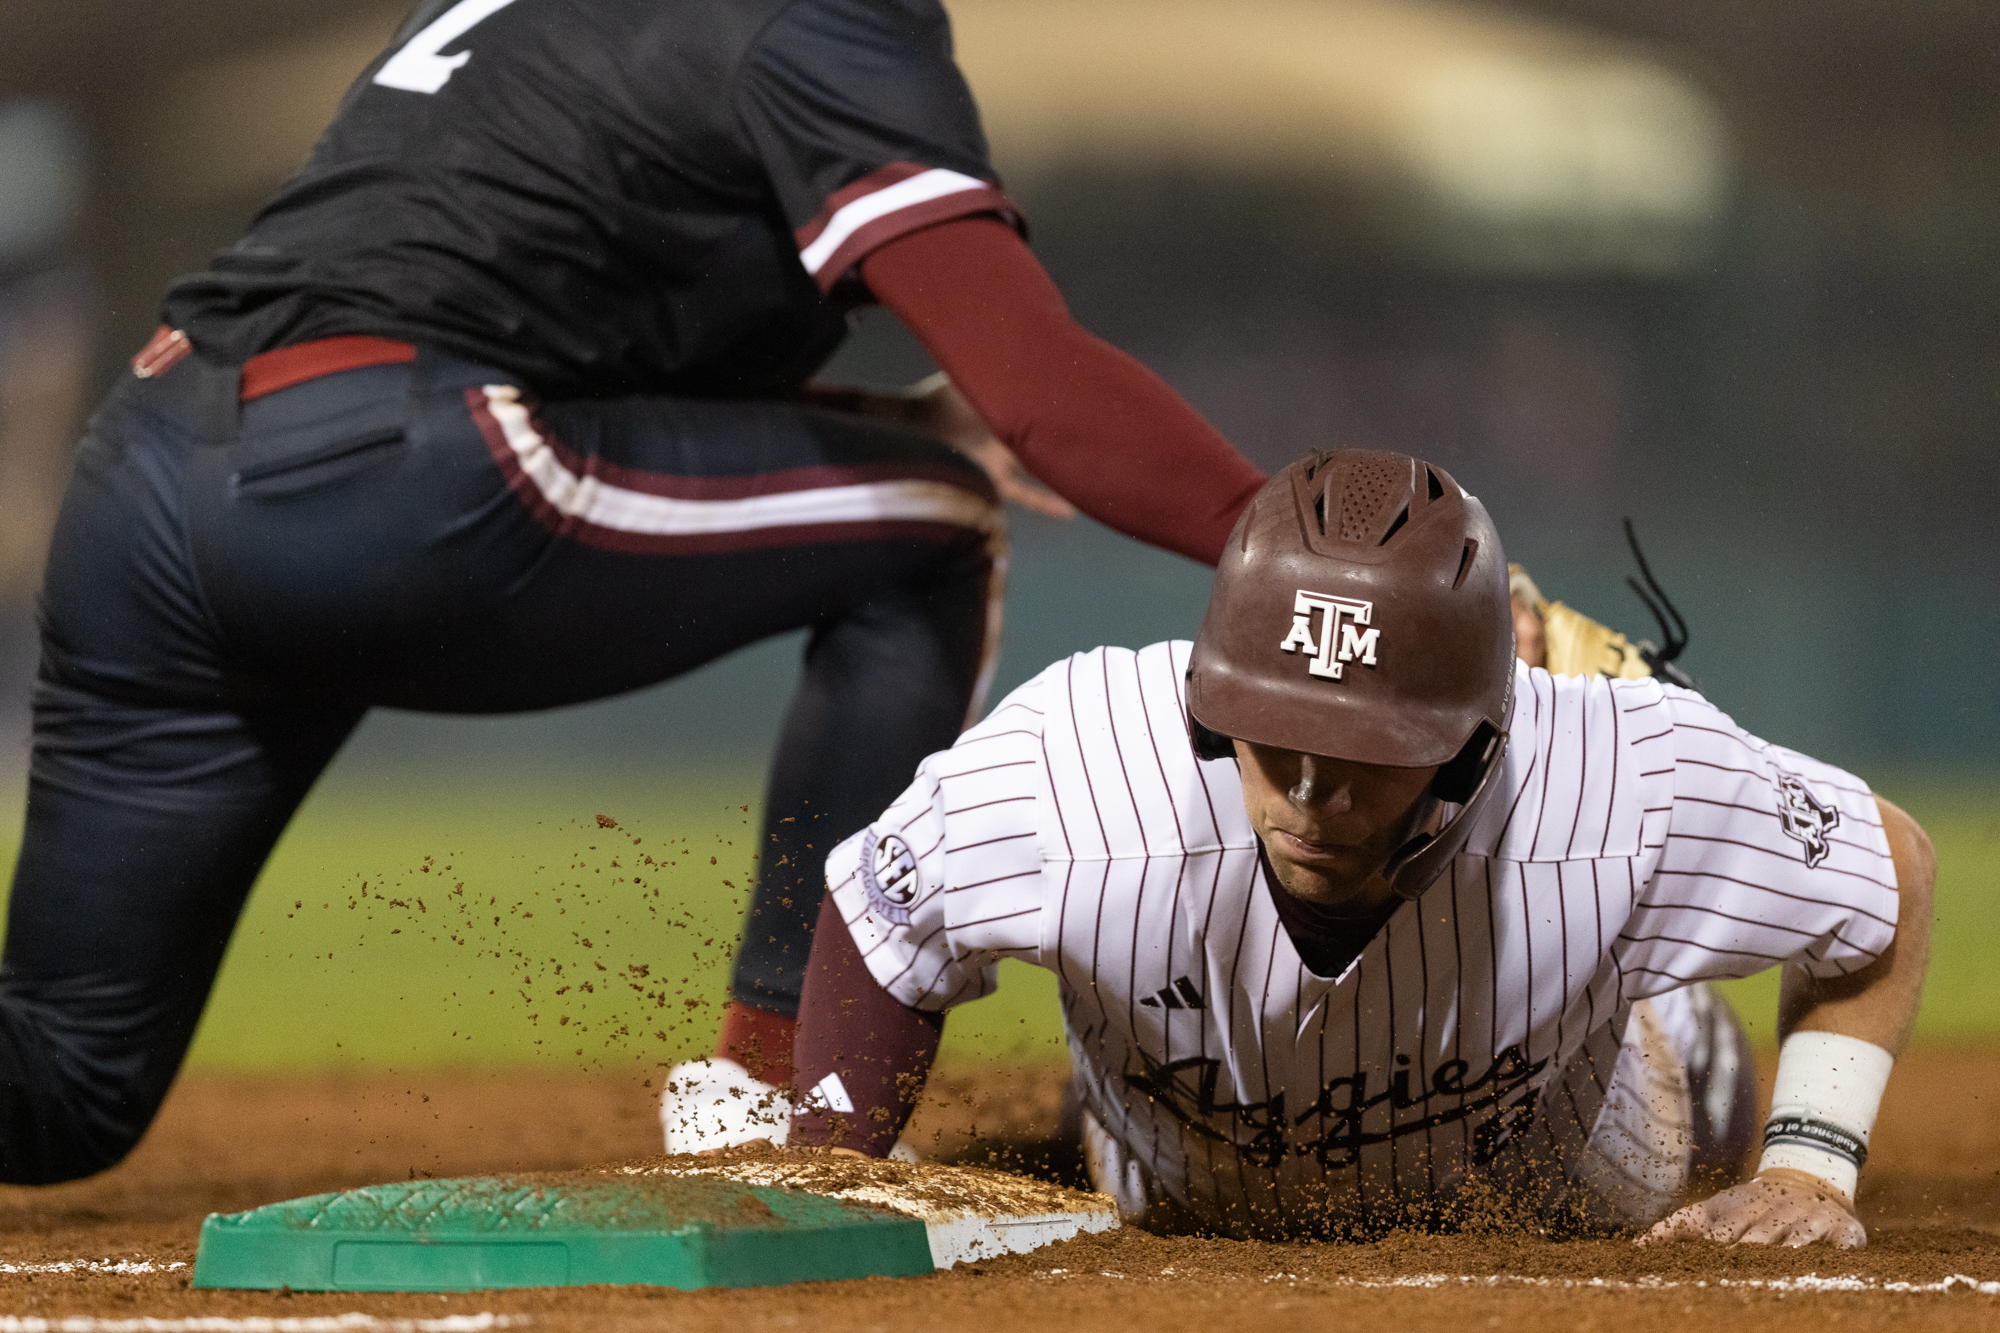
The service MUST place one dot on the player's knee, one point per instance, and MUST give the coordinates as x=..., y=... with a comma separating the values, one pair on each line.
x=45, y=1164
x=77, y=1093
x=76, y=1128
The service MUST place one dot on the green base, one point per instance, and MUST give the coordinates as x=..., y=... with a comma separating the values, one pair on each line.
x=488, y=1232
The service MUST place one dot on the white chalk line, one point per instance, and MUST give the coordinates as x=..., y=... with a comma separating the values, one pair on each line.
x=1811, y=1282
x=339, y=1323
x=93, y=1266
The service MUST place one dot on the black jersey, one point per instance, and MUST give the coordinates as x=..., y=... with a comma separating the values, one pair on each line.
x=607, y=197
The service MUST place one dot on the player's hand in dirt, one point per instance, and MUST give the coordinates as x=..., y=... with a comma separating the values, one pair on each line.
x=1779, y=1207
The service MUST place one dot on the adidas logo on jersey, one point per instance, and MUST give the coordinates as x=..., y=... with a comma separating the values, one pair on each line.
x=1181, y=995
x=1344, y=635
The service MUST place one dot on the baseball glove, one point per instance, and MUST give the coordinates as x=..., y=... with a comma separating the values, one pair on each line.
x=1572, y=644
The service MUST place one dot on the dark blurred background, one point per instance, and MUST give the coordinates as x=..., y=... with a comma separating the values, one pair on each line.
x=1732, y=270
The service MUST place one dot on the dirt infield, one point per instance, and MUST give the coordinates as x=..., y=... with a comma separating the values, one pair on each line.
x=115, y=1248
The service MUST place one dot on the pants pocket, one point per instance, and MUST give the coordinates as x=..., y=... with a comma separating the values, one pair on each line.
x=291, y=473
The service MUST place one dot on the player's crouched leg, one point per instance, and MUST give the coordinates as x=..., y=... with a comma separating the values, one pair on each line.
x=1120, y=1174
x=1679, y=1113
x=157, y=784
x=87, y=1060
x=146, y=825
x=1722, y=1083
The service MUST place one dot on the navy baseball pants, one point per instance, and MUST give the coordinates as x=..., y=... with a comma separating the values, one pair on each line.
x=233, y=585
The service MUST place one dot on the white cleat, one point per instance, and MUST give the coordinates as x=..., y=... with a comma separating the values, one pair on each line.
x=710, y=1104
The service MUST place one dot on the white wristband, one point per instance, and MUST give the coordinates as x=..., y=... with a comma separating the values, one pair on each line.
x=1823, y=1107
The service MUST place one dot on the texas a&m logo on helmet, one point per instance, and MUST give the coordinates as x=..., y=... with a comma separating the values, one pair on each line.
x=1345, y=633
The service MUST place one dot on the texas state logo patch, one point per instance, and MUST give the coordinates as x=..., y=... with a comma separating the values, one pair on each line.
x=889, y=875
x=1804, y=817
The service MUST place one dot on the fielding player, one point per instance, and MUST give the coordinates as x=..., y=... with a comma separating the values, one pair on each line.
x=502, y=403
x=1359, y=921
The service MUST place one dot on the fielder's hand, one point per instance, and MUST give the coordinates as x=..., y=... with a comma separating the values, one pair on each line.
x=947, y=415
x=1779, y=1207
x=936, y=407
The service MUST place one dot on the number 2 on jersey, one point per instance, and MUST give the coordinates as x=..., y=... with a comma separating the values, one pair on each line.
x=418, y=68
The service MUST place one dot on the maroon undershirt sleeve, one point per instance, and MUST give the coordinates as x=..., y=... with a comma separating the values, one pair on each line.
x=848, y=1025
x=1100, y=429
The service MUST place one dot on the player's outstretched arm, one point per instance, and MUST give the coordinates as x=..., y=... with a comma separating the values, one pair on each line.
x=861, y=1056
x=1102, y=430
x=1876, y=1005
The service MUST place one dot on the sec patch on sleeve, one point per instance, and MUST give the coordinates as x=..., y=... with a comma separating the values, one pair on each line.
x=890, y=878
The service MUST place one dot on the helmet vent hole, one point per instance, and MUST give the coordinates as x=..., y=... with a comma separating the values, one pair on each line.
x=1397, y=526
x=1437, y=487
x=1319, y=512
x=1369, y=486
x=1465, y=560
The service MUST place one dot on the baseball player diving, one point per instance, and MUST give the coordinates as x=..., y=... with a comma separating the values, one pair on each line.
x=505, y=402
x=1361, y=922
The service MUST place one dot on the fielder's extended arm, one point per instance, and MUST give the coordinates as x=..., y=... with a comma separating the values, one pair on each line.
x=1102, y=430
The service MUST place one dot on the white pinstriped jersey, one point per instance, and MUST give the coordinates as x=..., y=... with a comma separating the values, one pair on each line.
x=1639, y=841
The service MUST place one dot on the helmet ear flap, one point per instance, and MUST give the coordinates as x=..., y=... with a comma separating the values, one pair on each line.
x=1469, y=782
x=1209, y=744
x=1206, y=744
x=1458, y=777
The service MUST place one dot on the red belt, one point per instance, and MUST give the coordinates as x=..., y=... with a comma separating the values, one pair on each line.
x=268, y=372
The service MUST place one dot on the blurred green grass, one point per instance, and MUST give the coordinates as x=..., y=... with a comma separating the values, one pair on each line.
x=489, y=919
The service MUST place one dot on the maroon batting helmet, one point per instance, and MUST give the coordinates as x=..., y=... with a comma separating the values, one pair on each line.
x=1361, y=612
